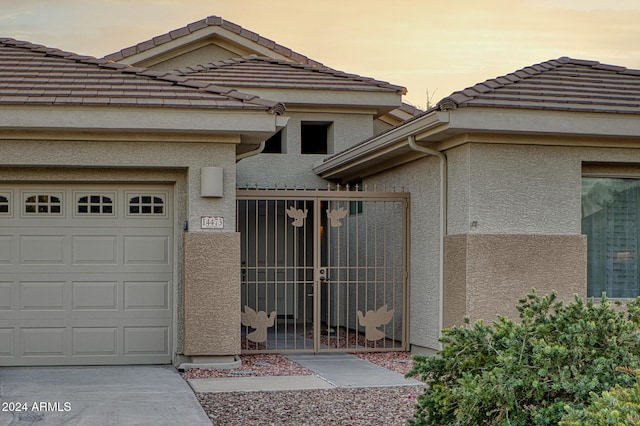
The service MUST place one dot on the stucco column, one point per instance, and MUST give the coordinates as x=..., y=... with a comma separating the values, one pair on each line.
x=211, y=293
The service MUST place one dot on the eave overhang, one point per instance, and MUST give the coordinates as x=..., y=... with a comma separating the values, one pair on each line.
x=246, y=128
x=443, y=130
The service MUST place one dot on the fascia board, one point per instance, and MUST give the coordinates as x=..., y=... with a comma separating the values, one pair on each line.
x=382, y=145
x=544, y=122
x=347, y=98
x=137, y=119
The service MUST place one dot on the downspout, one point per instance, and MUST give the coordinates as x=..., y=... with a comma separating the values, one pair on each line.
x=247, y=154
x=443, y=215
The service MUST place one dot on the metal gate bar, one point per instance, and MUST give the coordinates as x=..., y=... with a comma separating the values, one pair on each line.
x=323, y=270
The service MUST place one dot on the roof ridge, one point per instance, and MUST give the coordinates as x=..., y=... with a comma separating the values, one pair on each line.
x=211, y=21
x=166, y=76
x=461, y=97
x=319, y=69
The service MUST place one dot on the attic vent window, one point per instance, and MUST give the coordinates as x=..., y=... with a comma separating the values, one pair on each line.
x=273, y=145
x=315, y=137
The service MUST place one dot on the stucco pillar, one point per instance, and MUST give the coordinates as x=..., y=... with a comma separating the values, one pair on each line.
x=486, y=275
x=211, y=294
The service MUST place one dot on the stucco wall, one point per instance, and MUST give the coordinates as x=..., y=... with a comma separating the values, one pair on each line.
x=212, y=293
x=293, y=168
x=422, y=179
x=515, y=189
x=488, y=274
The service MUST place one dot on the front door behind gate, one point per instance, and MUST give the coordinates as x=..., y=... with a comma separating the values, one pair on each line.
x=323, y=270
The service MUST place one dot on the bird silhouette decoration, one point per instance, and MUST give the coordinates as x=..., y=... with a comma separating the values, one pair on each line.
x=336, y=215
x=298, y=216
x=258, y=320
x=374, y=319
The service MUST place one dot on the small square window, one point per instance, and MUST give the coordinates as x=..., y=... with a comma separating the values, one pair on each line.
x=314, y=137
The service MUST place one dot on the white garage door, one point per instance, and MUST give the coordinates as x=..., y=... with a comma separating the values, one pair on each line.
x=85, y=274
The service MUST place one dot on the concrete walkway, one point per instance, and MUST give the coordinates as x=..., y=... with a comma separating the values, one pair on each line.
x=331, y=370
x=97, y=396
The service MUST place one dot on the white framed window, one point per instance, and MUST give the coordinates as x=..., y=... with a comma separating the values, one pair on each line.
x=611, y=222
x=95, y=204
x=5, y=204
x=146, y=204
x=43, y=204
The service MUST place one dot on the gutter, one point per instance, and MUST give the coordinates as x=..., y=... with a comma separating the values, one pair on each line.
x=280, y=123
x=411, y=140
x=247, y=154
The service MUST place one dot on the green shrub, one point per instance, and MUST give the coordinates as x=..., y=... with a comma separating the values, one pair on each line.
x=617, y=407
x=526, y=372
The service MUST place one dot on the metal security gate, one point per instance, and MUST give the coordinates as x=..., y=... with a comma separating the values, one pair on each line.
x=323, y=270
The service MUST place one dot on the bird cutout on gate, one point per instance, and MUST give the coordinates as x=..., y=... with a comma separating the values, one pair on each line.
x=336, y=215
x=298, y=216
x=374, y=319
x=258, y=320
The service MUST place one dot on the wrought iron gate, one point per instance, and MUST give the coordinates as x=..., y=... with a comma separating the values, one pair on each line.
x=323, y=270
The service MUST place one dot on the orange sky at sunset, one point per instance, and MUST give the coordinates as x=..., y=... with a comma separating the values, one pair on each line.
x=428, y=46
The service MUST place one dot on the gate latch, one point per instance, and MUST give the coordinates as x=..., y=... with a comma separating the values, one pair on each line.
x=322, y=274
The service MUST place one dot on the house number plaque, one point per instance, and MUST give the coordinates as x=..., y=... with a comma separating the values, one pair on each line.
x=212, y=222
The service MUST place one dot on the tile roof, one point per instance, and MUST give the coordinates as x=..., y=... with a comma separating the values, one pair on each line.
x=34, y=74
x=263, y=73
x=211, y=21
x=559, y=84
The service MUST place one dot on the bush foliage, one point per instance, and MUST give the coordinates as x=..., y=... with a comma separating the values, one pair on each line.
x=616, y=407
x=527, y=372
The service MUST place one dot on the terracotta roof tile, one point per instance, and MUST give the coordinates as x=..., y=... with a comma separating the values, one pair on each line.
x=211, y=21
x=35, y=74
x=260, y=72
x=558, y=84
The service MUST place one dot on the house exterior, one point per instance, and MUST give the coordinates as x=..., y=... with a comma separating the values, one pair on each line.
x=529, y=178
x=210, y=192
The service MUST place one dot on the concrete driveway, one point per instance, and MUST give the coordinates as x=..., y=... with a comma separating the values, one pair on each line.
x=96, y=396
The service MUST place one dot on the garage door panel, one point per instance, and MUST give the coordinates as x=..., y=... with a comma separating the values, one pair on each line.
x=6, y=248
x=43, y=296
x=94, y=250
x=94, y=341
x=146, y=295
x=42, y=249
x=42, y=341
x=96, y=295
x=6, y=295
x=86, y=274
x=6, y=342
x=146, y=340
x=146, y=249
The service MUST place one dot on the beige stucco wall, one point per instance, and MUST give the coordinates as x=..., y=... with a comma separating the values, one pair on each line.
x=294, y=169
x=486, y=275
x=529, y=194
x=136, y=160
x=514, y=189
x=211, y=293
x=422, y=180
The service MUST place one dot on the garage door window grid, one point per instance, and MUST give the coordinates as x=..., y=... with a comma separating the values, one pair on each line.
x=43, y=204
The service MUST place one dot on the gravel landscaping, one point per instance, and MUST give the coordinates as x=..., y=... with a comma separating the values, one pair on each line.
x=338, y=406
